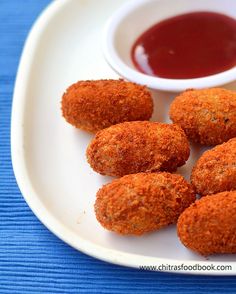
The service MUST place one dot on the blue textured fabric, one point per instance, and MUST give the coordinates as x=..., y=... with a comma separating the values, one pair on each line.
x=32, y=259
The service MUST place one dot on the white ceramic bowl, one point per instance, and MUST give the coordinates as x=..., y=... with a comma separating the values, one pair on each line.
x=136, y=16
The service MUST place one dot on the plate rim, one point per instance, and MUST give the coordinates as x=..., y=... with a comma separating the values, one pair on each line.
x=30, y=195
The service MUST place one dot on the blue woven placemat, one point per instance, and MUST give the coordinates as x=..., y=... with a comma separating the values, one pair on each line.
x=32, y=259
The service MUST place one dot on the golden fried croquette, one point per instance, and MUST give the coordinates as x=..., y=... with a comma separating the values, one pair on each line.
x=207, y=116
x=95, y=105
x=209, y=225
x=139, y=203
x=215, y=171
x=141, y=146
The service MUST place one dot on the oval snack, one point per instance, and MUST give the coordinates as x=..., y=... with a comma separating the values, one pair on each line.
x=95, y=105
x=208, y=226
x=140, y=203
x=133, y=147
x=215, y=171
x=207, y=116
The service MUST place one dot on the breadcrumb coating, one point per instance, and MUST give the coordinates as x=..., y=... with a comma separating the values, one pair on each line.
x=215, y=171
x=207, y=116
x=141, y=146
x=140, y=203
x=98, y=104
x=209, y=225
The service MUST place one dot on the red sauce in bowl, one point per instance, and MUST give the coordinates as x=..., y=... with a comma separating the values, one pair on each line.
x=187, y=46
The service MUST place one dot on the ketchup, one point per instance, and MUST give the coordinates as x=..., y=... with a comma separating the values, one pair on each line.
x=187, y=46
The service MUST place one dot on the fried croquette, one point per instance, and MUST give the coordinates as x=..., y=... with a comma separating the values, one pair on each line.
x=215, y=171
x=141, y=146
x=95, y=105
x=207, y=116
x=140, y=203
x=209, y=225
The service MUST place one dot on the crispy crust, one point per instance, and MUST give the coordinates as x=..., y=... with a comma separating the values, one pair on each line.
x=139, y=203
x=209, y=225
x=215, y=171
x=207, y=116
x=133, y=147
x=95, y=105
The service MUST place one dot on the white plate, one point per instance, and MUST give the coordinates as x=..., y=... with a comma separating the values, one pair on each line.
x=49, y=155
